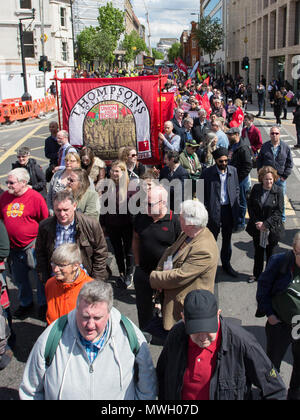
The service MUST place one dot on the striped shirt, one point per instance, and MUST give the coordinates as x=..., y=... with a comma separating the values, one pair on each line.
x=92, y=349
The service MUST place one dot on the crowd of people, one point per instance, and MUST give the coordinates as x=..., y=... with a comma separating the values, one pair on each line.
x=58, y=233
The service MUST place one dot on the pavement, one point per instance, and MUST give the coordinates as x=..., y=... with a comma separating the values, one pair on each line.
x=235, y=295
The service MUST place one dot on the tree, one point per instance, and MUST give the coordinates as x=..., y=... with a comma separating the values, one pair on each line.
x=158, y=55
x=210, y=35
x=111, y=21
x=174, y=52
x=133, y=44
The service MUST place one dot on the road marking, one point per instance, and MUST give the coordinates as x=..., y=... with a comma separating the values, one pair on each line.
x=13, y=149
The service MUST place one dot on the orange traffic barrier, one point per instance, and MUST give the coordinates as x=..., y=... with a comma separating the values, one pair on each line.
x=14, y=109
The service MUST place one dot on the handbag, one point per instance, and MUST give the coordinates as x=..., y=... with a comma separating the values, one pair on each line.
x=287, y=304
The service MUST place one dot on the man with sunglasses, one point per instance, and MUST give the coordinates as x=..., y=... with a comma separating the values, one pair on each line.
x=22, y=209
x=221, y=199
x=277, y=154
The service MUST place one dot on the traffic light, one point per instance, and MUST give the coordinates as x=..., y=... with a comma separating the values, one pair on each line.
x=44, y=64
x=245, y=63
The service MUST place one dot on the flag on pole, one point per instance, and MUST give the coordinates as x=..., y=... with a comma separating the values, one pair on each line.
x=198, y=76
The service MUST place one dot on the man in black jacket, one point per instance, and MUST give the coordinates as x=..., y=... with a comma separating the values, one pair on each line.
x=221, y=199
x=206, y=358
x=240, y=157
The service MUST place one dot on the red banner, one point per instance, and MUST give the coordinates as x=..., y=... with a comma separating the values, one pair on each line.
x=107, y=114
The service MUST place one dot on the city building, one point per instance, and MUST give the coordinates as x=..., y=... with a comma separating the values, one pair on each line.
x=164, y=45
x=216, y=9
x=190, y=46
x=268, y=32
x=53, y=20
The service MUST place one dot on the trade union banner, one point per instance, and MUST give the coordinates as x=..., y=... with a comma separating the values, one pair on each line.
x=107, y=114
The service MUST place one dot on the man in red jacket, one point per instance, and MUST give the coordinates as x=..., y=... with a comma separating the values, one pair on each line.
x=253, y=134
x=22, y=209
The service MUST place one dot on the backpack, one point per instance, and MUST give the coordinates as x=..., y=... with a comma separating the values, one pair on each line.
x=59, y=326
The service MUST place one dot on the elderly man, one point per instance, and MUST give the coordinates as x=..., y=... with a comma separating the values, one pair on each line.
x=208, y=358
x=94, y=358
x=22, y=209
x=240, y=157
x=277, y=154
x=153, y=233
x=169, y=141
x=216, y=127
x=65, y=148
x=221, y=199
x=189, y=264
x=70, y=226
x=177, y=121
x=201, y=126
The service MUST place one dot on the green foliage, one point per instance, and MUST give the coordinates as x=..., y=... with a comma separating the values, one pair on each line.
x=210, y=35
x=100, y=43
x=157, y=54
x=133, y=45
x=174, y=52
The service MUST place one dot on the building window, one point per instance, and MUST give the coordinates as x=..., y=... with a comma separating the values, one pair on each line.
x=28, y=43
x=25, y=4
x=64, y=51
x=63, y=21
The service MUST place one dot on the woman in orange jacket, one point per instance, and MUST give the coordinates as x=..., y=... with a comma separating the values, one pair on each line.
x=63, y=288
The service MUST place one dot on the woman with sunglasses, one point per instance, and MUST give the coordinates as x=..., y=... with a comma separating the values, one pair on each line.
x=135, y=169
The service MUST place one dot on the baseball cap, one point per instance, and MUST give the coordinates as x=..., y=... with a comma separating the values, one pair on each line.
x=233, y=130
x=192, y=143
x=200, y=312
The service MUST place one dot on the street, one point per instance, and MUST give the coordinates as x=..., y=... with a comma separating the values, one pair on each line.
x=236, y=297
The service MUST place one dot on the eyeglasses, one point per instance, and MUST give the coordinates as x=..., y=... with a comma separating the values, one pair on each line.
x=223, y=161
x=274, y=134
x=154, y=204
x=11, y=183
x=60, y=266
x=133, y=155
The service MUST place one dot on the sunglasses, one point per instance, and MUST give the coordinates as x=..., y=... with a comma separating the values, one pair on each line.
x=133, y=155
x=223, y=161
x=11, y=183
x=275, y=134
x=72, y=180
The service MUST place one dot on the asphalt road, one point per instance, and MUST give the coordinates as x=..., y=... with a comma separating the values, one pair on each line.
x=236, y=297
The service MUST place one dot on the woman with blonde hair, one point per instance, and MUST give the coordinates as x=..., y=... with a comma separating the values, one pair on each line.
x=135, y=169
x=118, y=224
x=265, y=207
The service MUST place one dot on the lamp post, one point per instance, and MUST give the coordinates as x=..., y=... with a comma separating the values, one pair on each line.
x=26, y=96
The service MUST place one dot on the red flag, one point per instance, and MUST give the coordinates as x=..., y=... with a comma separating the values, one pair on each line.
x=237, y=118
x=188, y=82
x=206, y=81
x=206, y=105
x=180, y=64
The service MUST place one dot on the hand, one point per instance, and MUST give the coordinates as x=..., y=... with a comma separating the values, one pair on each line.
x=273, y=320
x=260, y=226
x=161, y=136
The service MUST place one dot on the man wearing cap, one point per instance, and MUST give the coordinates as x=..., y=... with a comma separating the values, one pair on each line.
x=221, y=199
x=240, y=157
x=207, y=358
x=189, y=160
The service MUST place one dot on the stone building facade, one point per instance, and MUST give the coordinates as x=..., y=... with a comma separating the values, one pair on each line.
x=268, y=32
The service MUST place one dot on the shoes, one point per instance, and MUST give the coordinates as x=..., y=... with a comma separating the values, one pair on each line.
x=128, y=280
x=230, y=271
x=257, y=116
x=239, y=228
x=297, y=146
x=23, y=312
x=5, y=359
x=252, y=279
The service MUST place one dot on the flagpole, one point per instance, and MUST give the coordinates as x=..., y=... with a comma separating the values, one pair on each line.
x=160, y=110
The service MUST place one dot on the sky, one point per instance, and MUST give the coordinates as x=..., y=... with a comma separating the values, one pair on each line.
x=167, y=18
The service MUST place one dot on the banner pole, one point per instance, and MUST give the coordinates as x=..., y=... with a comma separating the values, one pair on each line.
x=57, y=97
x=160, y=111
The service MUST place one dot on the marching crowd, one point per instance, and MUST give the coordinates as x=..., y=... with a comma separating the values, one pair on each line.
x=57, y=234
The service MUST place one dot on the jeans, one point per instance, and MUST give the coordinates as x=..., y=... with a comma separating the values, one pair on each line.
x=260, y=106
x=245, y=186
x=279, y=338
x=20, y=272
x=282, y=184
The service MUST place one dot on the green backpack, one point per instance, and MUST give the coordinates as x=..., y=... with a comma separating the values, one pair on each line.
x=59, y=326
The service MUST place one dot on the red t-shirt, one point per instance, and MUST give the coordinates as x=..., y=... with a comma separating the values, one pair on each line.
x=22, y=215
x=200, y=368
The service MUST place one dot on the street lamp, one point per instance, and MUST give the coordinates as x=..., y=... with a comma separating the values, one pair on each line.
x=26, y=96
